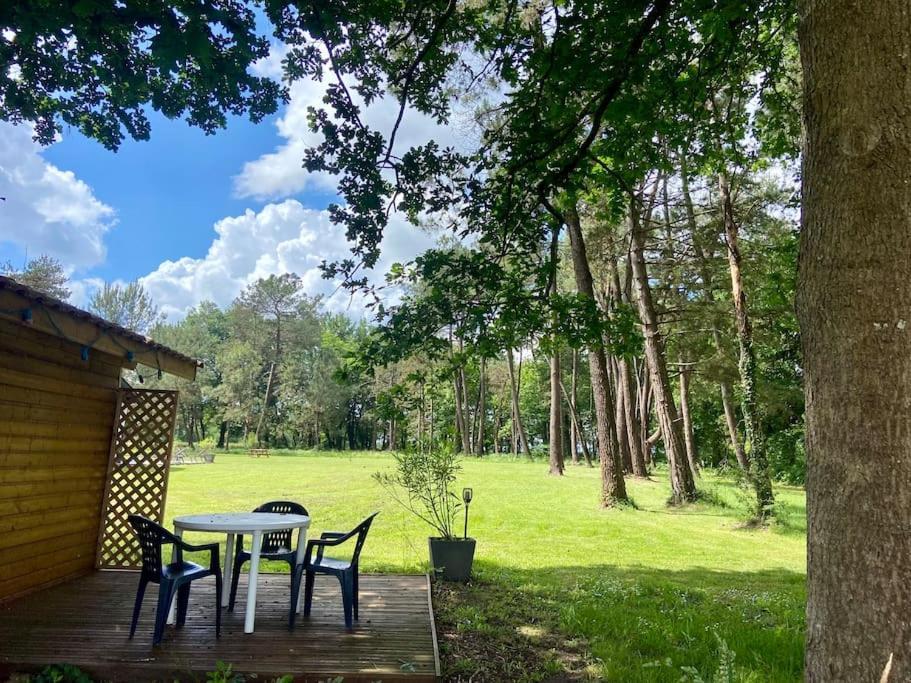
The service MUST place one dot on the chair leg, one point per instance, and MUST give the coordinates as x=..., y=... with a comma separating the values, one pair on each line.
x=140, y=594
x=238, y=565
x=355, y=590
x=183, y=600
x=296, y=575
x=218, y=590
x=308, y=592
x=165, y=595
x=347, y=590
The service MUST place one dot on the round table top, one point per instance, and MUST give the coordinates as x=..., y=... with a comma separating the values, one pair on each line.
x=241, y=522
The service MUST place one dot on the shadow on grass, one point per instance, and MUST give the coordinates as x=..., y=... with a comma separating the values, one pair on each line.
x=622, y=624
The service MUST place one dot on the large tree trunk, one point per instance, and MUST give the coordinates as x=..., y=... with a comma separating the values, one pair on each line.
x=683, y=487
x=688, y=437
x=705, y=276
x=854, y=286
x=613, y=487
x=752, y=418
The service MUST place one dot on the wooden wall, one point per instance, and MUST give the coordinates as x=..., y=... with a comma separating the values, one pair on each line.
x=56, y=416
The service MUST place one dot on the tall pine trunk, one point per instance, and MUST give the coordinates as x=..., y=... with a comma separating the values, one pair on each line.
x=571, y=400
x=620, y=419
x=613, y=487
x=854, y=288
x=689, y=438
x=683, y=486
x=516, y=412
x=752, y=418
x=625, y=390
x=556, y=417
x=482, y=408
x=708, y=294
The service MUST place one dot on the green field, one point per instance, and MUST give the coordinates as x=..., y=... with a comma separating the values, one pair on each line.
x=649, y=593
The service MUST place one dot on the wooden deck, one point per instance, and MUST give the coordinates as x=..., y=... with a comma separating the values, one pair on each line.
x=86, y=621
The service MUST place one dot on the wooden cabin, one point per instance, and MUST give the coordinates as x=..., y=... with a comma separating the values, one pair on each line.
x=79, y=451
x=78, y=448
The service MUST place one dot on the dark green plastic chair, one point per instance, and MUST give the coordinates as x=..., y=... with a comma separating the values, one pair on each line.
x=172, y=579
x=344, y=570
x=276, y=545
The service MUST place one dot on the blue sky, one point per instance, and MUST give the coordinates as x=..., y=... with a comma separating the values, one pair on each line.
x=191, y=216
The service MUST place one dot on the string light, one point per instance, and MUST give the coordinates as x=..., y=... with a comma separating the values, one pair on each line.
x=26, y=316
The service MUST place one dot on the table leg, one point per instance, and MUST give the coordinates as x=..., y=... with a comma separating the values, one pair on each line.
x=299, y=560
x=172, y=610
x=253, y=576
x=228, y=571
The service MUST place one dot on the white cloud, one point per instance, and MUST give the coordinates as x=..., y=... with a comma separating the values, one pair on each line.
x=280, y=173
x=280, y=238
x=48, y=210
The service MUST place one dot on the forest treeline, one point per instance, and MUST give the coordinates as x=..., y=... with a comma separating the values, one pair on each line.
x=279, y=370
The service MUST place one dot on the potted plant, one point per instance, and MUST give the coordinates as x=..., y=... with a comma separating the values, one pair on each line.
x=422, y=484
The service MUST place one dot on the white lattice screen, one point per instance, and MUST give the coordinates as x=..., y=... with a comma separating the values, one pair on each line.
x=137, y=472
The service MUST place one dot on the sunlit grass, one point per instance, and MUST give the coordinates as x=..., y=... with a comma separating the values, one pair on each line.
x=651, y=589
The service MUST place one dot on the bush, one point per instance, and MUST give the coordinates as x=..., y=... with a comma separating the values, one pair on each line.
x=422, y=484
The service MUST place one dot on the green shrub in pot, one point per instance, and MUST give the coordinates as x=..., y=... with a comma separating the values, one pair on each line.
x=422, y=483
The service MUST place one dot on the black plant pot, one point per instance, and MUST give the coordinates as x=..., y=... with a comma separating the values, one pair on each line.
x=452, y=559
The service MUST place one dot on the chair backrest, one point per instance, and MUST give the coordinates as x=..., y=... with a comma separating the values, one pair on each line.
x=361, y=531
x=274, y=541
x=151, y=536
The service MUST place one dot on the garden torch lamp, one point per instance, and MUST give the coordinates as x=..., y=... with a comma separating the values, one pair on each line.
x=466, y=498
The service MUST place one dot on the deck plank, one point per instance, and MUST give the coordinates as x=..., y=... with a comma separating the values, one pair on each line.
x=86, y=621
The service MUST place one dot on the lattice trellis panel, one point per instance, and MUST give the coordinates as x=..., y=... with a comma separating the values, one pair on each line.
x=137, y=472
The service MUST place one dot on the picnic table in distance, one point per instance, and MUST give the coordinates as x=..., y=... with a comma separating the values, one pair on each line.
x=258, y=452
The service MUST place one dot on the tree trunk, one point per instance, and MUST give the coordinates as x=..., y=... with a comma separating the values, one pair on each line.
x=482, y=409
x=571, y=401
x=468, y=429
x=705, y=276
x=516, y=413
x=555, y=447
x=683, y=487
x=634, y=438
x=613, y=487
x=620, y=419
x=266, y=401
x=577, y=424
x=464, y=440
x=222, y=434
x=752, y=418
x=644, y=407
x=689, y=439
x=854, y=285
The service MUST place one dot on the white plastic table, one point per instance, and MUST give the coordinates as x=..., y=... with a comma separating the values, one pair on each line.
x=254, y=524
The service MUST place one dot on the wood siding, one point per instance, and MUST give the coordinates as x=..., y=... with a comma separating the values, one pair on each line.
x=56, y=416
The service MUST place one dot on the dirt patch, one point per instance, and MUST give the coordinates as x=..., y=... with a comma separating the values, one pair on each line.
x=490, y=632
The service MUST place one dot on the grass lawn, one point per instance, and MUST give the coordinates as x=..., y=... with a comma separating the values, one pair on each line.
x=562, y=587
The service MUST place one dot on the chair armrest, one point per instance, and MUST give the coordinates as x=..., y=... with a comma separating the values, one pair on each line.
x=213, y=549
x=336, y=538
x=332, y=534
